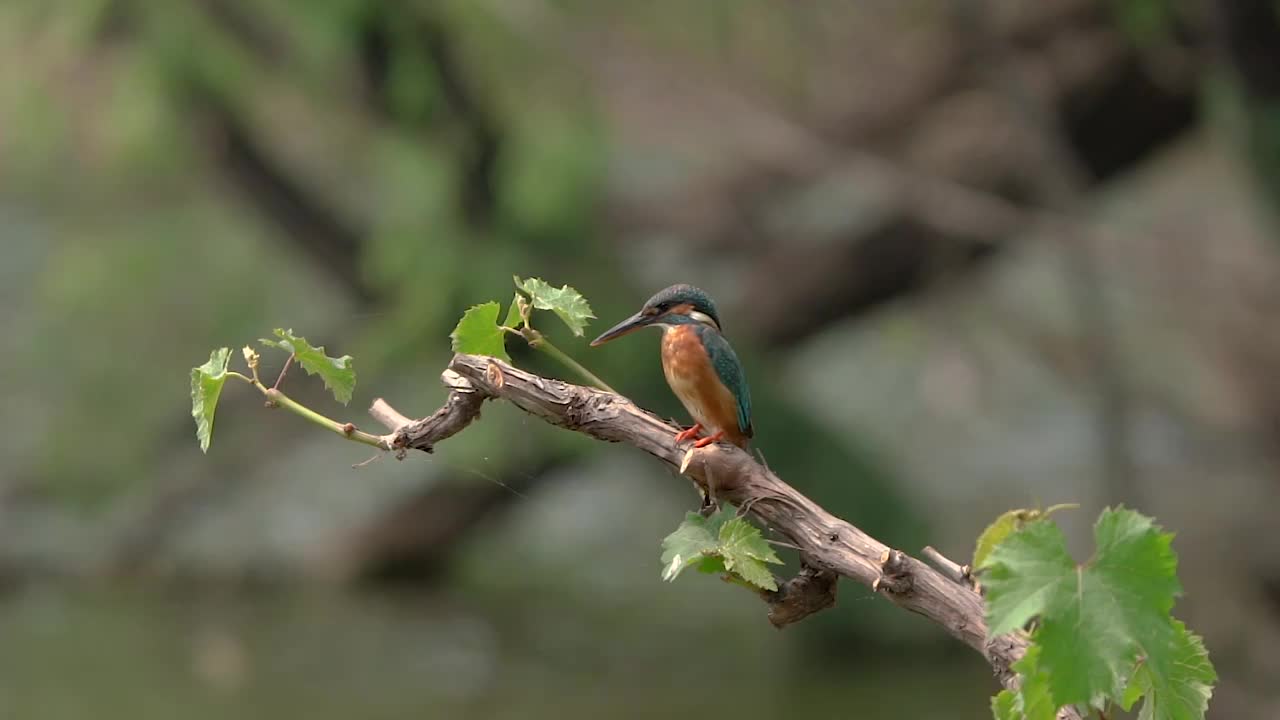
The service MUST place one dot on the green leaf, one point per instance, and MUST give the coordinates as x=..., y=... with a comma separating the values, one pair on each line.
x=1176, y=685
x=1024, y=574
x=1096, y=620
x=1035, y=701
x=1005, y=706
x=739, y=538
x=478, y=333
x=711, y=565
x=1031, y=701
x=563, y=301
x=745, y=553
x=337, y=373
x=1134, y=692
x=1007, y=524
x=687, y=545
x=996, y=532
x=752, y=571
x=206, y=385
x=718, y=544
x=514, y=317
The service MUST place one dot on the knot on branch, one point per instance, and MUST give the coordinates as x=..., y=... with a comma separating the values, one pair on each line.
x=895, y=575
x=808, y=592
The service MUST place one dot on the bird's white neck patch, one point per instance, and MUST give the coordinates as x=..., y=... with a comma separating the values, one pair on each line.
x=703, y=318
x=698, y=317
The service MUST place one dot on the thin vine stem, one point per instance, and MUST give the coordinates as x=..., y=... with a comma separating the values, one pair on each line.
x=539, y=342
x=276, y=398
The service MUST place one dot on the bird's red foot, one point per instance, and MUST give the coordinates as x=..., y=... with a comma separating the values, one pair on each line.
x=709, y=439
x=689, y=434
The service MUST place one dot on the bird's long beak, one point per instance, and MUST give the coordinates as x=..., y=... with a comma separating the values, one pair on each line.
x=631, y=324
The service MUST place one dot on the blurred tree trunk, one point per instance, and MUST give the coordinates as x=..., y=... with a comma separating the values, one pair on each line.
x=1248, y=36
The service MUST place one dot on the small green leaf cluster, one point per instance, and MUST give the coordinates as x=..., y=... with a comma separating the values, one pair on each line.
x=1103, y=630
x=337, y=373
x=721, y=544
x=207, y=380
x=478, y=332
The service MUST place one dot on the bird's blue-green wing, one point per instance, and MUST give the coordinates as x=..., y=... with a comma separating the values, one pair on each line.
x=729, y=369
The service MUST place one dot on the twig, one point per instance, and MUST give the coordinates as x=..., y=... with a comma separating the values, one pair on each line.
x=277, y=399
x=387, y=415
x=959, y=573
x=829, y=546
x=283, y=369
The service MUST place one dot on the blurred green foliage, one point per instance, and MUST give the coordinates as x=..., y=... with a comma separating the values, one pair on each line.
x=186, y=175
x=454, y=147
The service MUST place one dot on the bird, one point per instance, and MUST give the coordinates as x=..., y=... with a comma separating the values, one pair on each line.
x=701, y=367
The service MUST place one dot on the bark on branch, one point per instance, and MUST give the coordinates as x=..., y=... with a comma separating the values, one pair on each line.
x=829, y=546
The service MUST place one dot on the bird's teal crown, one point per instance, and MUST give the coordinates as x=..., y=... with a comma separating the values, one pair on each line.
x=678, y=295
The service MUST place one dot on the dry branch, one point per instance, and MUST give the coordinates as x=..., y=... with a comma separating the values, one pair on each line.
x=829, y=546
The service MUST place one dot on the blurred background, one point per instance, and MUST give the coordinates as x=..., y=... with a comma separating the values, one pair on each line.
x=975, y=256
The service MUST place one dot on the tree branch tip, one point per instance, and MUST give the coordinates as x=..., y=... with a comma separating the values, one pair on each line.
x=957, y=573
x=953, y=570
x=387, y=416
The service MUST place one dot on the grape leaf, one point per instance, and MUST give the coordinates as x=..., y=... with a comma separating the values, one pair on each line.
x=1031, y=701
x=718, y=544
x=1024, y=574
x=1005, y=706
x=1034, y=698
x=1007, y=524
x=563, y=301
x=206, y=385
x=337, y=373
x=1177, y=686
x=1097, y=619
x=711, y=565
x=514, y=317
x=996, y=532
x=688, y=545
x=745, y=553
x=478, y=333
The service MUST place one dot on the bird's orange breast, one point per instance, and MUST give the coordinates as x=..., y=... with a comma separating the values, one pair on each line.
x=694, y=380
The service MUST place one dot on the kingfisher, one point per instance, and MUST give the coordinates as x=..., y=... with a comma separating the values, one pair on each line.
x=701, y=367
